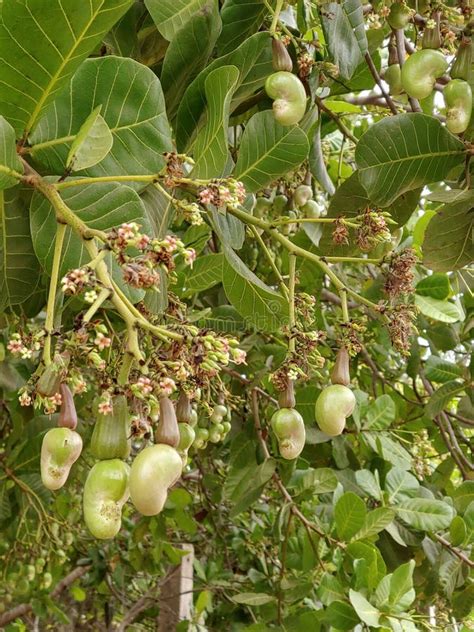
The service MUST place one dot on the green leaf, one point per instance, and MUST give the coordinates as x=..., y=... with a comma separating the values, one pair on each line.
x=366, y=551
x=92, y=143
x=19, y=267
x=389, y=449
x=425, y=514
x=330, y=589
x=259, y=305
x=440, y=370
x=443, y=311
x=42, y=46
x=349, y=514
x=240, y=20
x=463, y=604
x=224, y=318
x=365, y=610
x=171, y=15
x=132, y=106
x=463, y=495
x=442, y=396
x=188, y=53
x=341, y=615
x=9, y=160
x=320, y=481
x=457, y=531
x=404, y=152
x=400, y=484
x=448, y=243
x=210, y=148
x=253, y=599
x=436, y=286
x=268, y=150
x=344, y=32
x=254, y=61
x=229, y=229
x=450, y=575
x=380, y=414
x=205, y=273
x=366, y=480
x=401, y=582
x=317, y=162
x=252, y=486
x=101, y=206
x=375, y=521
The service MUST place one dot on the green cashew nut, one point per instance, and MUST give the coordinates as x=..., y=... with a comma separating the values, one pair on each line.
x=288, y=426
x=60, y=449
x=334, y=404
x=399, y=15
x=289, y=97
x=111, y=434
x=187, y=436
x=420, y=71
x=153, y=472
x=105, y=493
x=393, y=76
x=458, y=99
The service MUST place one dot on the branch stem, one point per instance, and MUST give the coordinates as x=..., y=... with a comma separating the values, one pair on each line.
x=50, y=309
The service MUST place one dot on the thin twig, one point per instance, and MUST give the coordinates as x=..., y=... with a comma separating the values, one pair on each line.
x=345, y=131
x=378, y=81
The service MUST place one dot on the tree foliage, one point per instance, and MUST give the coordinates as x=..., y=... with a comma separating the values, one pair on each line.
x=236, y=311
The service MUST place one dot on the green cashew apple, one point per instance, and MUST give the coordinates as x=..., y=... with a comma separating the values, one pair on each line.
x=458, y=99
x=218, y=414
x=289, y=97
x=105, y=493
x=111, y=434
x=303, y=194
x=393, y=76
x=60, y=449
x=420, y=71
x=334, y=404
x=279, y=204
x=399, y=15
x=289, y=429
x=153, y=472
x=312, y=210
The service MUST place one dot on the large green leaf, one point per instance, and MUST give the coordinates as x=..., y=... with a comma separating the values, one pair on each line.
x=380, y=414
x=268, y=150
x=443, y=311
x=188, y=53
x=344, y=31
x=91, y=144
x=440, y=370
x=259, y=304
x=437, y=286
x=9, y=160
x=254, y=61
x=253, y=599
x=210, y=149
x=19, y=268
x=240, y=19
x=320, y=481
x=42, y=45
x=442, y=396
x=206, y=272
x=401, y=583
x=341, y=615
x=404, y=152
x=132, y=106
x=448, y=243
x=425, y=514
x=349, y=514
x=171, y=15
x=100, y=206
x=400, y=484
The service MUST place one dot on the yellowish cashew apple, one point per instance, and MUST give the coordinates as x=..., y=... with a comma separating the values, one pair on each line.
x=289, y=97
x=334, y=404
x=153, y=472
x=61, y=447
x=288, y=426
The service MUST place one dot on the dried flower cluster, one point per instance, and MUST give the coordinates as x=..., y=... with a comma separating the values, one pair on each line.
x=400, y=276
x=372, y=229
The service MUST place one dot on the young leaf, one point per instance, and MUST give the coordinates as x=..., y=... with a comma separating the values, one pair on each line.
x=366, y=611
x=43, y=46
x=92, y=143
x=401, y=583
x=210, y=148
x=375, y=521
x=404, y=152
x=443, y=311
